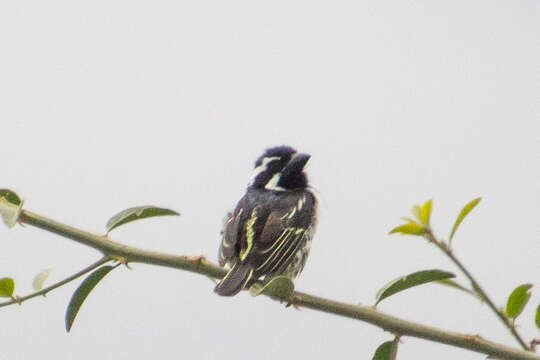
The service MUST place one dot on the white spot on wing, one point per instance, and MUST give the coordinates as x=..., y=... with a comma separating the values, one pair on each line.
x=227, y=244
x=230, y=242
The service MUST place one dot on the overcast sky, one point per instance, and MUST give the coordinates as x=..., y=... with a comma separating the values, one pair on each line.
x=106, y=105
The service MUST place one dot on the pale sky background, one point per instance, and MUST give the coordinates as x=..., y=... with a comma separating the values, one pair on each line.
x=106, y=105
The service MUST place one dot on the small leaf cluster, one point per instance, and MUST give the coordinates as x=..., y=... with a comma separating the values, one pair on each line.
x=419, y=225
x=10, y=209
x=88, y=284
x=7, y=284
x=422, y=213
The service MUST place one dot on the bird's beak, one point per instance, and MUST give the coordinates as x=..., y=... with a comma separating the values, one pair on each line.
x=301, y=160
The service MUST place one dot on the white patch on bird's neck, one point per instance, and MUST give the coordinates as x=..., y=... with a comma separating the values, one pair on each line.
x=272, y=184
x=259, y=169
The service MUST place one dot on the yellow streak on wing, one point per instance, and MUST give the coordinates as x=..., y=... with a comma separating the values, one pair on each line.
x=250, y=275
x=227, y=275
x=292, y=250
x=279, y=239
x=287, y=232
x=250, y=234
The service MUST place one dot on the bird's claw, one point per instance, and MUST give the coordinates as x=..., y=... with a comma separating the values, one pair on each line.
x=290, y=303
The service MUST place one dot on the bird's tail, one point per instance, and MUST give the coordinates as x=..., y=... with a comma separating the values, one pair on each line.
x=236, y=279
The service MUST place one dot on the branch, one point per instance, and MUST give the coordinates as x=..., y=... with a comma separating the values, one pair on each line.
x=202, y=266
x=408, y=328
x=20, y=300
x=476, y=286
x=131, y=254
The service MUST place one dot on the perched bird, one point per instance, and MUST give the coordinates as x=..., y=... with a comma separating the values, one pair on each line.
x=269, y=232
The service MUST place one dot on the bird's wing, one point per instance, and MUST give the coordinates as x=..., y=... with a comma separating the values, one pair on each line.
x=241, y=229
x=278, y=242
x=230, y=241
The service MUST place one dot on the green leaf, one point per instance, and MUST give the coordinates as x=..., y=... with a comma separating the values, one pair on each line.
x=408, y=281
x=416, y=212
x=10, y=207
x=40, y=278
x=7, y=286
x=82, y=293
x=407, y=219
x=425, y=212
x=537, y=317
x=517, y=300
x=10, y=196
x=411, y=228
x=137, y=213
x=279, y=286
x=466, y=209
x=455, y=285
x=386, y=351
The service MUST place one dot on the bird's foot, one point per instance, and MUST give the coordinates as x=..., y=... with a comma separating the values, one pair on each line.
x=289, y=303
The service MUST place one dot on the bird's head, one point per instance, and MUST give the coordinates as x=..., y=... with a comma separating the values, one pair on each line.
x=280, y=168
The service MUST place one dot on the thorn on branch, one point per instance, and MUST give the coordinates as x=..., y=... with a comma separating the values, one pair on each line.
x=123, y=261
x=198, y=259
x=475, y=338
x=17, y=299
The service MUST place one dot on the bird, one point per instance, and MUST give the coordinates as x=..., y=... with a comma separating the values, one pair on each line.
x=270, y=230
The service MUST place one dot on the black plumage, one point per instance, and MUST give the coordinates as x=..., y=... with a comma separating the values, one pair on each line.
x=269, y=232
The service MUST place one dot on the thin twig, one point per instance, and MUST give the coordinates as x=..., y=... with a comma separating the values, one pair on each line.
x=358, y=312
x=476, y=286
x=20, y=300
